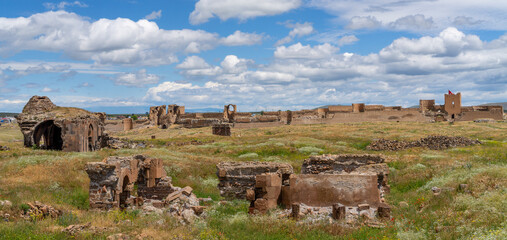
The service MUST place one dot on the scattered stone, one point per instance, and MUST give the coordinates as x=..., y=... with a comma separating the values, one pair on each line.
x=4, y=148
x=74, y=230
x=118, y=236
x=188, y=215
x=116, y=143
x=362, y=207
x=5, y=203
x=484, y=120
x=39, y=211
x=384, y=211
x=187, y=190
x=436, y=191
x=463, y=187
x=431, y=142
x=404, y=204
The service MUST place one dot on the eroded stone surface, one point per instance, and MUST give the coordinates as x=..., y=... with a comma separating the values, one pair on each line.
x=236, y=177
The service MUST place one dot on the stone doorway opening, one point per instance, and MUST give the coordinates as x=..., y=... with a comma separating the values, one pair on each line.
x=47, y=135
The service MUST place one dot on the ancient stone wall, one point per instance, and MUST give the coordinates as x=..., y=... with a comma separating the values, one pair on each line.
x=236, y=177
x=128, y=124
x=452, y=104
x=328, y=189
x=223, y=129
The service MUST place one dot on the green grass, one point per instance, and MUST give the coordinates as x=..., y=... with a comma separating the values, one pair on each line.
x=58, y=179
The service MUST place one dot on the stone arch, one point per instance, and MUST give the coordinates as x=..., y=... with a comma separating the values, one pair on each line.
x=50, y=134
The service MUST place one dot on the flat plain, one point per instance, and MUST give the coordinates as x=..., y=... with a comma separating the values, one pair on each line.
x=190, y=155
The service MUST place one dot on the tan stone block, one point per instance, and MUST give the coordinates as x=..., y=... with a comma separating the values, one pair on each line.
x=187, y=190
x=272, y=192
x=261, y=181
x=173, y=196
x=250, y=195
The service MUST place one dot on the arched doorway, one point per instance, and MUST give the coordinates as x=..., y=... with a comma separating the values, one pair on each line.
x=47, y=135
x=125, y=193
x=91, y=146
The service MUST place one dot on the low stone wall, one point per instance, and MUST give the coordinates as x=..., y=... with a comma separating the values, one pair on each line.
x=328, y=189
x=346, y=163
x=236, y=177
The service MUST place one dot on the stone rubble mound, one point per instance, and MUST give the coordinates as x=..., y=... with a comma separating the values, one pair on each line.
x=431, y=142
x=39, y=210
x=116, y=143
x=4, y=148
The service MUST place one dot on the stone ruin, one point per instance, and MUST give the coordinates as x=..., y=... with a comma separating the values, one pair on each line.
x=431, y=142
x=164, y=116
x=138, y=181
x=223, y=129
x=236, y=177
x=338, y=186
x=47, y=126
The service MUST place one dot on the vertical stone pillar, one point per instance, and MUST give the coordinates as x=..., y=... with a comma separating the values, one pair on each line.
x=338, y=211
x=128, y=124
x=295, y=211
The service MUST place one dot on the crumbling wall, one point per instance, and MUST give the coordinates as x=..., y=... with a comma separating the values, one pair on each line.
x=223, y=129
x=128, y=124
x=236, y=177
x=328, y=189
x=426, y=105
x=112, y=180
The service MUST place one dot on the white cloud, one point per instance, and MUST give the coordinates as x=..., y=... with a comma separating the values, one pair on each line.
x=298, y=30
x=306, y=76
x=239, y=38
x=48, y=90
x=241, y=9
x=413, y=22
x=154, y=15
x=63, y=5
x=465, y=21
x=487, y=14
x=349, y=39
x=300, y=51
x=233, y=64
x=138, y=79
x=368, y=22
x=105, y=41
x=165, y=90
x=196, y=66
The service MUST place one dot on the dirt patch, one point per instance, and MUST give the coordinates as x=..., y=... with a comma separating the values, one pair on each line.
x=431, y=142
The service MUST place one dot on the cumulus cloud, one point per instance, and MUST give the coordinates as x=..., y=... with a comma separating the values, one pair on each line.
x=486, y=15
x=239, y=38
x=233, y=64
x=49, y=90
x=298, y=30
x=240, y=9
x=300, y=51
x=154, y=15
x=368, y=22
x=306, y=76
x=349, y=39
x=465, y=21
x=412, y=22
x=106, y=41
x=137, y=79
x=196, y=66
x=63, y=5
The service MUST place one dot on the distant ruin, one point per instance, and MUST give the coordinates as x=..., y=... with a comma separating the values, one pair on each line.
x=47, y=126
x=452, y=110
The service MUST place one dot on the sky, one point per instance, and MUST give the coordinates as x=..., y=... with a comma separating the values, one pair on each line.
x=122, y=56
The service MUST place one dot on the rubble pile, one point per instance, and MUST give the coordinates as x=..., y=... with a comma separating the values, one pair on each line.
x=4, y=148
x=39, y=210
x=116, y=143
x=431, y=142
x=192, y=142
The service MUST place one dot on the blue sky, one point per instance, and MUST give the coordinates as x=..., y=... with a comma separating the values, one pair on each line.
x=123, y=56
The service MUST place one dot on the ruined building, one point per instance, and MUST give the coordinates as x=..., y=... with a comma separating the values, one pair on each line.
x=164, y=116
x=139, y=181
x=48, y=126
x=349, y=184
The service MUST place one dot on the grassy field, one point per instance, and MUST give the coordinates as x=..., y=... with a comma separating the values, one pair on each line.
x=59, y=179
